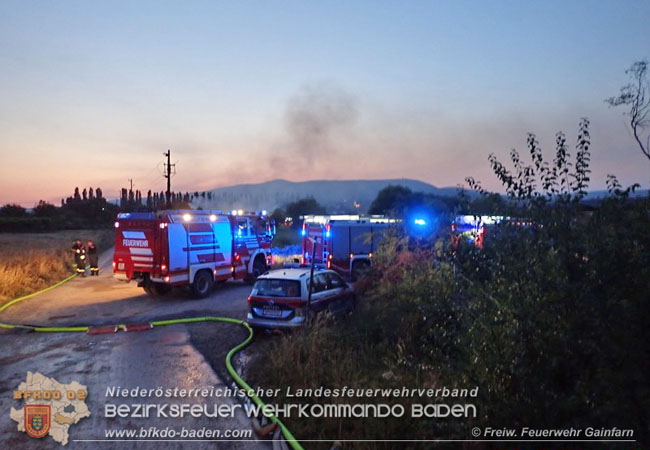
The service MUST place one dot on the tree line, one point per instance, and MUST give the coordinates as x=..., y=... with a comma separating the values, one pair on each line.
x=133, y=200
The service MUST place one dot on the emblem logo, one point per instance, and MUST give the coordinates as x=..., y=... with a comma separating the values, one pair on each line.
x=37, y=420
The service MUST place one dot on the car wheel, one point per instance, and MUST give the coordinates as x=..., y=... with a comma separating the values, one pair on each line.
x=157, y=289
x=202, y=284
x=259, y=267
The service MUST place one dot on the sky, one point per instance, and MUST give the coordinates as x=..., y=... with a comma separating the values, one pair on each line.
x=93, y=93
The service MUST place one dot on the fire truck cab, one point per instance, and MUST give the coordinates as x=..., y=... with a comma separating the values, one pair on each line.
x=344, y=243
x=194, y=248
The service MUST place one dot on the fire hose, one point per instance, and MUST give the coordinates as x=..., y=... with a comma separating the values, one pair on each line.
x=290, y=439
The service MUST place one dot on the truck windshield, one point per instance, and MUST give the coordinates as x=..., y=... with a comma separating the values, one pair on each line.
x=276, y=288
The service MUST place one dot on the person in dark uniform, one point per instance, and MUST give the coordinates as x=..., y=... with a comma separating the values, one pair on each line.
x=79, y=257
x=92, y=258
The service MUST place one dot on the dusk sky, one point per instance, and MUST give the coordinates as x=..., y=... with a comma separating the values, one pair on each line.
x=93, y=93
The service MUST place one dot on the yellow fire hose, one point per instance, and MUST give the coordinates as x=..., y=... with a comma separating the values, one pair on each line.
x=291, y=440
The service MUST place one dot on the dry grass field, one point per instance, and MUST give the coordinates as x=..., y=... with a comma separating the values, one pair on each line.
x=33, y=261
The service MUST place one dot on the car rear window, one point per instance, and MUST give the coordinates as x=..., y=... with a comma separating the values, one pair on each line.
x=276, y=288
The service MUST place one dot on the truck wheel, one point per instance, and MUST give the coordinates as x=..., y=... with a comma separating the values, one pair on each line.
x=157, y=289
x=359, y=269
x=259, y=267
x=202, y=285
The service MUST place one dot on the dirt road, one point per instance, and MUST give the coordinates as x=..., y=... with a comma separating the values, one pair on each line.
x=164, y=357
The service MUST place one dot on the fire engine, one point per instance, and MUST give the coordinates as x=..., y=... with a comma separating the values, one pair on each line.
x=194, y=248
x=344, y=243
x=474, y=228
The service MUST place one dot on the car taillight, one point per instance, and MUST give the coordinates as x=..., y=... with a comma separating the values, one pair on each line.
x=114, y=264
x=163, y=268
x=249, y=300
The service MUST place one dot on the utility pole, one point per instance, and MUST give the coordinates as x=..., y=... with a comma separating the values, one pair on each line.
x=168, y=174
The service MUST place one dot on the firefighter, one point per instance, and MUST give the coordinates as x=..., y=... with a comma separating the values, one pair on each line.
x=79, y=257
x=92, y=258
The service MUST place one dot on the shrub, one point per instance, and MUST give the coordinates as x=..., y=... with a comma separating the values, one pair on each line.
x=549, y=320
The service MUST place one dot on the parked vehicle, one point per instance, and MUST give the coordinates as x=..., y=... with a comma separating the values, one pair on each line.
x=280, y=298
x=344, y=243
x=194, y=248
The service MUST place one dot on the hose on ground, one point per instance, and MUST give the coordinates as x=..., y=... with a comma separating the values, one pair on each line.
x=158, y=323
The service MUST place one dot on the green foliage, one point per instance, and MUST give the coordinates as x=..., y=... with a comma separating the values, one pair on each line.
x=302, y=207
x=390, y=199
x=636, y=97
x=91, y=213
x=556, y=317
x=13, y=210
x=26, y=224
x=550, y=320
x=286, y=236
x=533, y=185
x=278, y=216
x=400, y=202
x=44, y=209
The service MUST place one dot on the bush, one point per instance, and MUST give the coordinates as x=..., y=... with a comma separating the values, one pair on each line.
x=286, y=236
x=549, y=320
x=12, y=210
x=26, y=224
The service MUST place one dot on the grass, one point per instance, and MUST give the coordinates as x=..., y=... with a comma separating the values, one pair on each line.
x=33, y=261
x=379, y=346
x=324, y=356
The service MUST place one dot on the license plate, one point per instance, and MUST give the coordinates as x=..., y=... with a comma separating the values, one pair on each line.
x=271, y=312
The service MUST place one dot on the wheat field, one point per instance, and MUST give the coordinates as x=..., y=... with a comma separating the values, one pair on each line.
x=33, y=261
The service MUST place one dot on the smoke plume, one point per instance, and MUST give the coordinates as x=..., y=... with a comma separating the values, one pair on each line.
x=317, y=117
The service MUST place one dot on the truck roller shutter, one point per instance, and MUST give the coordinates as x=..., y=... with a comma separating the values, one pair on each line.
x=360, y=238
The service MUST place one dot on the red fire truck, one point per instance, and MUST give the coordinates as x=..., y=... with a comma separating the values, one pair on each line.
x=194, y=248
x=344, y=243
x=474, y=228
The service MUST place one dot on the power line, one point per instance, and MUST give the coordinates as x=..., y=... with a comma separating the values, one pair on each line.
x=169, y=168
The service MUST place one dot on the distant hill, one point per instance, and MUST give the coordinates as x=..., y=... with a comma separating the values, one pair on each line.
x=338, y=196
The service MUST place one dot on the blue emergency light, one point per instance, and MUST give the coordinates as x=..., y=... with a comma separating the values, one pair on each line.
x=422, y=223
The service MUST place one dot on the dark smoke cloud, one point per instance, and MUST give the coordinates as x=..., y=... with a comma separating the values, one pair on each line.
x=316, y=118
x=316, y=114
